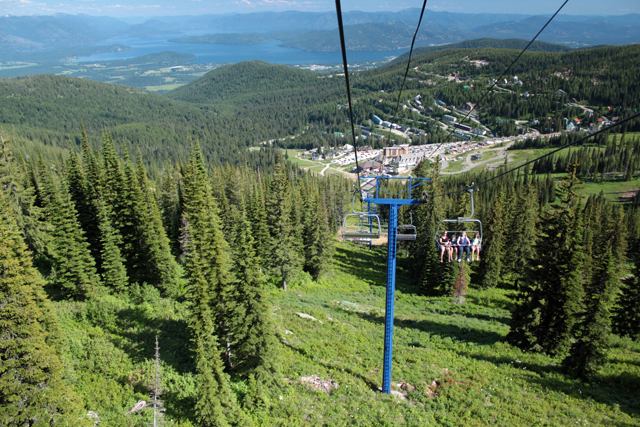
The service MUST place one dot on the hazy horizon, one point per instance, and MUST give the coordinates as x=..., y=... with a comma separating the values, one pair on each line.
x=140, y=9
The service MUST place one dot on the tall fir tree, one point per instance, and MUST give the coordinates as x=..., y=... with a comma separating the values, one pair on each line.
x=550, y=297
x=161, y=268
x=257, y=216
x=589, y=350
x=170, y=205
x=75, y=271
x=32, y=388
x=317, y=243
x=494, y=242
x=254, y=341
x=282, y=259
x=207, y=266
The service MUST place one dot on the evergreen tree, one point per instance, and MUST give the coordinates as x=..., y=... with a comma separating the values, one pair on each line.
x=494, y=242
x=550, y=297
x=253, y=333
x=588, y=352
x=316, y=240
x=160, y=267
x=170, y=205
x=75, y=270
x=113, y=271
x=521, y=234
x=82, y=200
x=20, y=183
x=207, y=266
x=32, y=388
x=257, y=216
x=282, y=258
x=428, y=269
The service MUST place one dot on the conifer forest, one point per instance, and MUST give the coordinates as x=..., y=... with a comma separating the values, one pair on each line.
x=179, y=260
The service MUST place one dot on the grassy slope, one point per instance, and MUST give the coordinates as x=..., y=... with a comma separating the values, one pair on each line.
x=479, y=379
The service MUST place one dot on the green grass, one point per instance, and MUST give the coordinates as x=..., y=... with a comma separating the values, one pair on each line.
x=167, y=87
x=612, y=189
x=456, y=351
x=483, y=380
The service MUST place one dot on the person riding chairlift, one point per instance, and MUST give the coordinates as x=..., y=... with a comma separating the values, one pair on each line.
x=444, y=246
x=453, y=247
x=475, y=247
x=464, y=243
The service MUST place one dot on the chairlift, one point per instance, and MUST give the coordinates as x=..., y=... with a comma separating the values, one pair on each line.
x=361, y=225
x=407, y=231
x=470, y=225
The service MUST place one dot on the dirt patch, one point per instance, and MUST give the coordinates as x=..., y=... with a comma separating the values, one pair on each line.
x=628, y=196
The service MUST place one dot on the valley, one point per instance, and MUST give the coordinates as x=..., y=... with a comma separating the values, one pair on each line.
x=173, y=242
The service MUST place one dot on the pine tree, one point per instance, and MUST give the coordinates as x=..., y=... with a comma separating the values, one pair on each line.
x=317, y=246
x=113, y=271
x=550, y=297
x=20, y=183
x=170, y=205
x=32, y=388
x=282, y=258
x=253, y=334
x=207, y=266
x=161, y=269
x=426, y=266
x=588, y=352
x=521, y=233
x=257, y=216
x=75, y=267
x=494, y=241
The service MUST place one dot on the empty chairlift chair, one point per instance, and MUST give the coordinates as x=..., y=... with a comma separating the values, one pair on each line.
x=361, y=225
x=407, y=231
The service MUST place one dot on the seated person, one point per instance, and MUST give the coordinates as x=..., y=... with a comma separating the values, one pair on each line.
x=444, y=243
x=464, y=243
x=475, y=247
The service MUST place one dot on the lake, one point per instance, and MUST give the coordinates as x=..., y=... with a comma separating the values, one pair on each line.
x=217, y=53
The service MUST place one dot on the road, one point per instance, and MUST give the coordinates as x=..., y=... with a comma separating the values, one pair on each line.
x=501, y=154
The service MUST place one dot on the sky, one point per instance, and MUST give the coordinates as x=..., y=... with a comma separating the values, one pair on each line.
x=152, y=8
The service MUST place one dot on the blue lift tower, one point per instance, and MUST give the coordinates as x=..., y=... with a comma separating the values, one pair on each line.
x=381, y=197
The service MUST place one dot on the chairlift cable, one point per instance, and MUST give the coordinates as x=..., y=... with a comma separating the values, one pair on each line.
x=501, y=75
x=346, y=75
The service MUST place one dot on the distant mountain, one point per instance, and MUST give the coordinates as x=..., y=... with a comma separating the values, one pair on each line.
x=574, y=34
x=489, y=43
x=361, y=37
x=312, y=31
x=446, y=28
x=253, y=78
x=27, y=34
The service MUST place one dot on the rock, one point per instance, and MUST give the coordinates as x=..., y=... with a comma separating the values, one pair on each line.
x=309, y=317
x=316, y=383
x=406, y=386
x=288, y=332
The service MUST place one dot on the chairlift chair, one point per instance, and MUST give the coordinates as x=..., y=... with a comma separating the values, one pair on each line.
x=407, y=232
x=471, y=226
x=361, y=225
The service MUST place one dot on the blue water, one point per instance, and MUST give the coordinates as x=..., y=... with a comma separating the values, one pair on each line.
x=217, y=53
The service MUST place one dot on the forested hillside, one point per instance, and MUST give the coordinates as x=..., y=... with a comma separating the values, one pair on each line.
x=171, y=274
x=234, y=107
